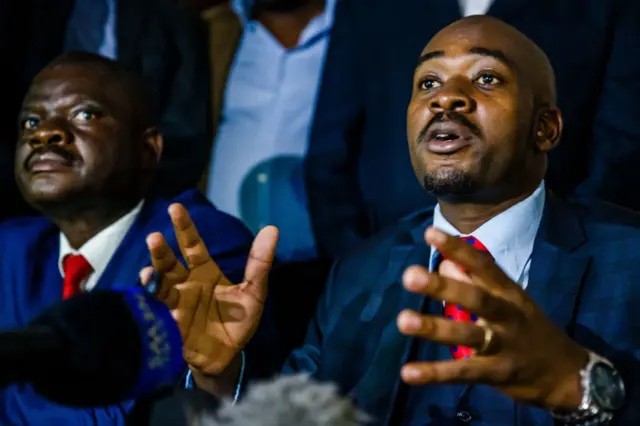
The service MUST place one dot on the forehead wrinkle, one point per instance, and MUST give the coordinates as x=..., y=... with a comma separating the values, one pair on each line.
x=58, y=91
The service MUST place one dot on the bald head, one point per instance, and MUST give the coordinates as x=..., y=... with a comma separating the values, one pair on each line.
x=489, y=35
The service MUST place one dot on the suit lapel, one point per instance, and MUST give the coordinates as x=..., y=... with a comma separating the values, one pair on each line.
x=377, y=390
x=132, y=254
x=557, y=268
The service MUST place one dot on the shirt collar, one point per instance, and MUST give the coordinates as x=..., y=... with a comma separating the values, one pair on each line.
x=316, y=26
x=99, y=249
x=509, y=236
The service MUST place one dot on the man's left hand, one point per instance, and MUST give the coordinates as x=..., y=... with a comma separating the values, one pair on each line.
x=528, y=358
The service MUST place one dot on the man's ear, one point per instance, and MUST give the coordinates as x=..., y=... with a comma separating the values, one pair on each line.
x=548, y=130
x=153, y=145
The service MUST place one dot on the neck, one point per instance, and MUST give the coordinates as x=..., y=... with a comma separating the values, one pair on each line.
x=81, y=224
x=467, y=216
x=286, y=27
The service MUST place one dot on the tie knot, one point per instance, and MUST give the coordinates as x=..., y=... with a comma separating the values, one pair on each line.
x=76, y=265
x=471, y=240
x=475, y=243
x=76, y=268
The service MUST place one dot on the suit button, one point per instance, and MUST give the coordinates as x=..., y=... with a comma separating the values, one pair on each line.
x=464, y=416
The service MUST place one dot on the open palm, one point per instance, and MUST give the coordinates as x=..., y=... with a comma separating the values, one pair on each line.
x=216, y=317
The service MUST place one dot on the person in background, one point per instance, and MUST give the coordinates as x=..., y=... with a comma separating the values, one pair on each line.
x=357, y=175
x=157, y=39
x=519, y=310
x=267, y=57
x=86, y=156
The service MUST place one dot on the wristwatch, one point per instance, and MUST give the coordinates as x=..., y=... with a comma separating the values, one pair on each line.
x=603, y=393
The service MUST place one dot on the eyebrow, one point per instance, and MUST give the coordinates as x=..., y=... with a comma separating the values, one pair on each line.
x=493, y=53
x=475, y=50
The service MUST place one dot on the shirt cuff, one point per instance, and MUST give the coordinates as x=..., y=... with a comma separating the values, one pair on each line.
x=190, y=384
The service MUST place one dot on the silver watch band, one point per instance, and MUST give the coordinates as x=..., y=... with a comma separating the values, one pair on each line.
x=588, y=413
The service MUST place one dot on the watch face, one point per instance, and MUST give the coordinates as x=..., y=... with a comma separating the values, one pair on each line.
x=607, y=387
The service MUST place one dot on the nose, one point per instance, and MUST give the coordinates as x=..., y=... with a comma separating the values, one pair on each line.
x=48, y=136
x=451, y=98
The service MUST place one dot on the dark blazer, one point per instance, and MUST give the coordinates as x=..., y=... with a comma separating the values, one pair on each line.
x=584, y=276
x=30, y=281
x=166, y=44
x=358, y=171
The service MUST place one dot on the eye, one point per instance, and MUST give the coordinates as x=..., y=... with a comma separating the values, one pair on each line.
x=429, y=84
x=86, y=115
x=29, y=123
x=488, y=80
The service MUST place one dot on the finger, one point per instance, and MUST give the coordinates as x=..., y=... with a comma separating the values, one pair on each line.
x=440, y=329
x=489, y=370
x=450, y=270
x=475, y=263
x=145, y=274
x=191, y=245
x=472, y=298
x=165, y=264
x=261, y=257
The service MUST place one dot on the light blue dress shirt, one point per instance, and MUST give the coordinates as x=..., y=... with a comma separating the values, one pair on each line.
x=509, y=236
x=83, y=15
x=262, y=140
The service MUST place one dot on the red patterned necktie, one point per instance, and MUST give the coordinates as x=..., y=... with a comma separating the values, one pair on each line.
x=454, y=312
x=76, y=268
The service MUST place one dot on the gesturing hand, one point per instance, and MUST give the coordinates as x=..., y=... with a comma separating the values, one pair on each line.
x=528, y=358
x=216, y=317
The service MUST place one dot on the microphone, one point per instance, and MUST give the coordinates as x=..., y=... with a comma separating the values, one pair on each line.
x=287, y=401
x=94, y=349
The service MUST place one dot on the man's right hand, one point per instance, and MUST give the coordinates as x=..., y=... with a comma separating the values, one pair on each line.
x=216, y=317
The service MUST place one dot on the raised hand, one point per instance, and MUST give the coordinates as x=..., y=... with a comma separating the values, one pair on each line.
x=520, y=351
x=216, y=317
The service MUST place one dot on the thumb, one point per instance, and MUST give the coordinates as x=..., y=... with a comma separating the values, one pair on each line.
x=261, y=257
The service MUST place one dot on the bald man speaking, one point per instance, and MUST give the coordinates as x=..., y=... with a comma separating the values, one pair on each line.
x=504, y=305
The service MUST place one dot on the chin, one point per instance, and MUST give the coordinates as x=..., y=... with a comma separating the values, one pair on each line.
x=44, y=194
x=449, y=181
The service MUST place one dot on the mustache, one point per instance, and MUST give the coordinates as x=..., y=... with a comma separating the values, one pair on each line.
x=453, y=116
x=51, y=149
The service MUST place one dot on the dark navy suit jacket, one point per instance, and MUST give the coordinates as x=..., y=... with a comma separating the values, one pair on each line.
x=30, y=281
x=585, y=275
x=358, y=171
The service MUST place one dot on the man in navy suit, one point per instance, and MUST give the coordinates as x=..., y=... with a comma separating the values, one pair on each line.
x=356, y=141
x=86, y=155
x=543, y=307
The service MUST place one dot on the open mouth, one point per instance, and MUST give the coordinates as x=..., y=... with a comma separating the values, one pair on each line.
x=447, y=138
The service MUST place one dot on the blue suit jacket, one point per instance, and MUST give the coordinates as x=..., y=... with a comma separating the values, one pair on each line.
x=30, y=281
x=358, y=139
x=585, y=275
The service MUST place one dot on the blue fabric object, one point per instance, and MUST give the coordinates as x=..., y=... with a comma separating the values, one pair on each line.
x=161, y=342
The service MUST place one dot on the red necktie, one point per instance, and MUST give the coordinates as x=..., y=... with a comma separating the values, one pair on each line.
x=76, y=268
x=455, y=312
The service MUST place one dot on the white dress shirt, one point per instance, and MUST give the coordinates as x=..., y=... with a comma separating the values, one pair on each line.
x=509, y=236
x=262, y=139
x=475, y=7
x=99, y=249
